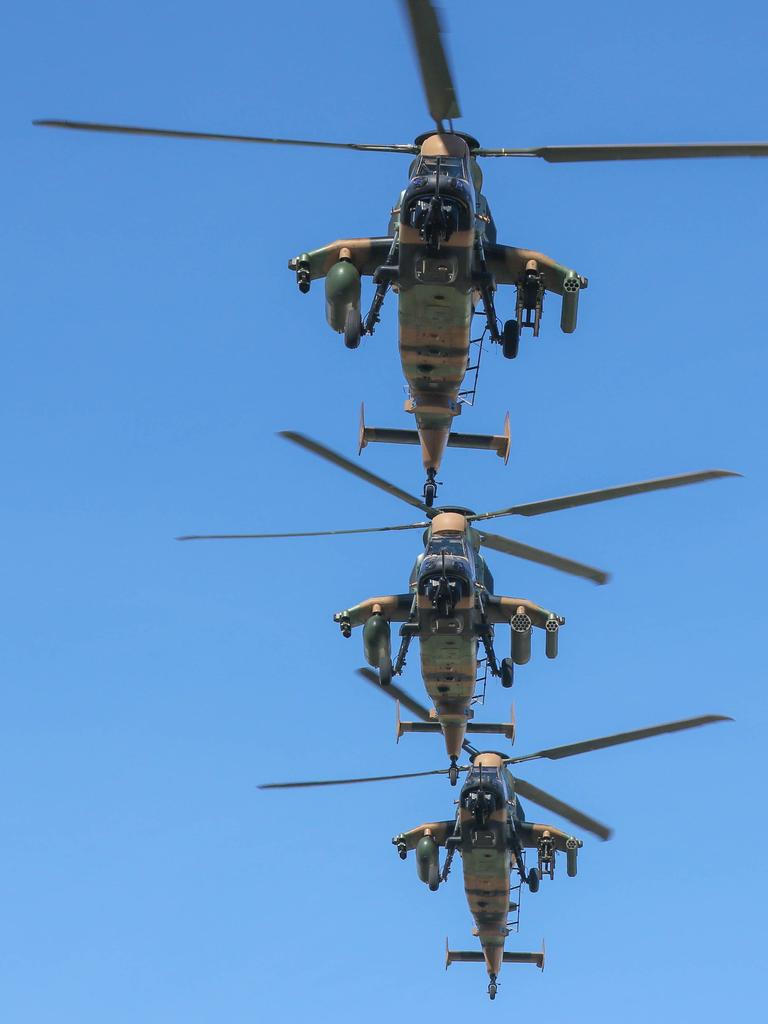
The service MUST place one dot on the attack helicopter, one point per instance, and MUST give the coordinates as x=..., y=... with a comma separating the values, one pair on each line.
x=451, y=605
x=440, y=254
x=491, y=833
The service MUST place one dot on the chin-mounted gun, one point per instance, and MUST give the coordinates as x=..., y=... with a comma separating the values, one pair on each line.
x=435, y=219
x=481, y=803
x=443, y=591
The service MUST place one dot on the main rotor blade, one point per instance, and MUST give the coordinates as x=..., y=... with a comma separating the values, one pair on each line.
x=538, y=508
x=530, y=554
x=309, y=533
x=396, y=694
x=171, y=133
x=651, y=151
x=570, y=749
x=356, y=470
x=433, y=63
x=348, y=782
x=551, y=803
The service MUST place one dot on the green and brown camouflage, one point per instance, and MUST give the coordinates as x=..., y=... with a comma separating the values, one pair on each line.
x=442, y=260
x=491, y=834
x=451, y=605
x=440, y=253
x=450, y=608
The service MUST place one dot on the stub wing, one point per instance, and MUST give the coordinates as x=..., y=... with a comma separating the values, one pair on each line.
x=533, y=274
x=365, y=253
x=508, y=264
x=394, y=608
x=439, y=830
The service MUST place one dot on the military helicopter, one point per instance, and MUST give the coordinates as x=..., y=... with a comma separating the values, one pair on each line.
x=491, y=833
x=451, y=605
x=440, y=254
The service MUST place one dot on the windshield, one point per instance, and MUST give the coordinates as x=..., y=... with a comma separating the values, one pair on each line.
x=478, y=775
x=449, y=545
x=451, y=166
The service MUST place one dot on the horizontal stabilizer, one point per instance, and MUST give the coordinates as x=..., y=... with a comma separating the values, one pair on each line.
x=471, y=956
x=499, y=443
x=463, y=956
x=495, y=728
x=526, y=958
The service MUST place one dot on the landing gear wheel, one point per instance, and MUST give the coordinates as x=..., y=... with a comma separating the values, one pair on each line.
x=385, y=672
x=507, y=672
x=533, y=880
x=510, y=339
x=453, y=774
x=353, y=328
x=434, y=877
x=492, y=989
x=430, y=487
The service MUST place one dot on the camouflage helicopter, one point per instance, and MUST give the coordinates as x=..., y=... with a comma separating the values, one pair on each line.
x=491, y=833
x=440, y=254
x=451, y=605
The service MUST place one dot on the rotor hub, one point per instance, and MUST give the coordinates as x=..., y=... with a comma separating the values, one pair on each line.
x=458, y=509
x=470, y=140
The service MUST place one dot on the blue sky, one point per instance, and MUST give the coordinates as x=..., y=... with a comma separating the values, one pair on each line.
x=154, y=342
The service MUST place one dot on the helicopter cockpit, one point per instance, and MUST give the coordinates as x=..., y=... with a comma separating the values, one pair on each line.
x=448, y=166
x=446, y=573
x=477, y=776
x=484, y=791
x=439, y=200
x=448, y=551
x=452, y=544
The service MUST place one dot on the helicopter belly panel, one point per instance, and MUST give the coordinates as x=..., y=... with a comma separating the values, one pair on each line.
x=487, y=862
x=434, y=349
x=449, y=666
x=486, y=881
x=434, y=326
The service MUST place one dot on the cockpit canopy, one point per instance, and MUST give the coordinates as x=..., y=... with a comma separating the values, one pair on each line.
x=484, y=775
x=450, y=167
x=450, y=543
x=484, y=791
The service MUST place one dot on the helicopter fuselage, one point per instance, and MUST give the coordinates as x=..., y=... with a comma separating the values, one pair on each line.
x=491, y=833
x=441, y=258
x=450, y=606
x=434, y=224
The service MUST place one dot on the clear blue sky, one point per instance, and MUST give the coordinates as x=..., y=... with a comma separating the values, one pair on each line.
x=154, y=342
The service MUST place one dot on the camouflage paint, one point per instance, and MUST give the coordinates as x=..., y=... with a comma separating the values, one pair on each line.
x=488, y=862
x=448, y=645
x=435, y=316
